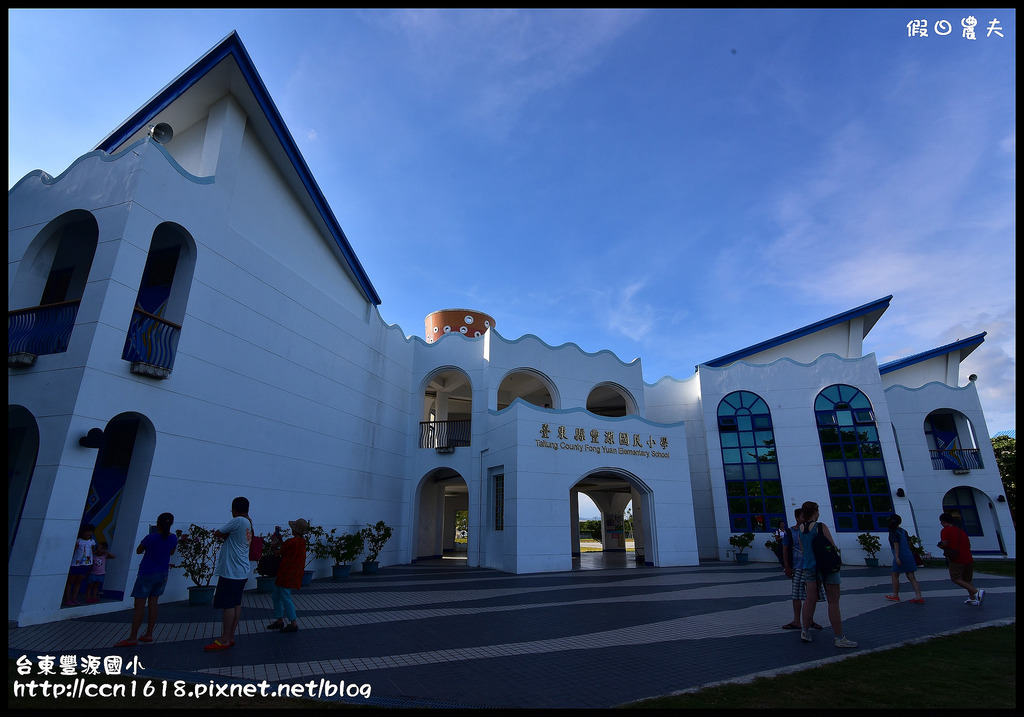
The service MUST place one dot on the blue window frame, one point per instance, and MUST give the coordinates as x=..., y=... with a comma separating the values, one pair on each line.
x=858, y=483
x=753, y=485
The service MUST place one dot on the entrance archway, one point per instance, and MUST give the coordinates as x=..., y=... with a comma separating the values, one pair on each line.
x=614, y=493
x=117, y=490
x=441, y=532
x=22, y=450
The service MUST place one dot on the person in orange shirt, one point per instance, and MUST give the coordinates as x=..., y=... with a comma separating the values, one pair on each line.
x=289, y=577
x=956, y=546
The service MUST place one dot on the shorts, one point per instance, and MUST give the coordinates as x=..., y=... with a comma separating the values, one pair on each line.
x=151, y=585
x=961, y=571
x=82, y=570
x=228, y=593
x=95, y=579
x=799, y=589
x=830, y=579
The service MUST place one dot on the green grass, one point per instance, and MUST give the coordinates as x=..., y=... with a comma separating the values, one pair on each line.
x=920, y=677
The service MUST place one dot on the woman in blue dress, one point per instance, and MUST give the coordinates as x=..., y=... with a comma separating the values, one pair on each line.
x=902, y=560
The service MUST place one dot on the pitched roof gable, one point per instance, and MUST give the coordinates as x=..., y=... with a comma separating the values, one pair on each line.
x=965, y=346
x=872, y=311
x=231, y=47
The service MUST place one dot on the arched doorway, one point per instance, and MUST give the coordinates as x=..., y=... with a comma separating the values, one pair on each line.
x=22, y=449
x=625, y=506
x=446, y=421
x=609, y=399
x=974, y=511
x=442, y=517
x=528, y=385
x=117, y=490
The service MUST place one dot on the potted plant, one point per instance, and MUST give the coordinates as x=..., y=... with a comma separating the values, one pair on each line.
x=343, y=549
x=741, y=543
x=197, y=557
x=870, y=544
x=918, y=550
x=374, y=537
x=267, y=565
x=774, y=544
x=316, y=549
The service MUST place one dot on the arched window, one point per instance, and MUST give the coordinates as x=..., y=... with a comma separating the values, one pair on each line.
x=752, y=482
x=857, y=481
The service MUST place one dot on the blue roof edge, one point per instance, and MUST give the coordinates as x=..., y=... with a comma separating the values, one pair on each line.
x=232, y=46
x=971, y=342
x=870, y=307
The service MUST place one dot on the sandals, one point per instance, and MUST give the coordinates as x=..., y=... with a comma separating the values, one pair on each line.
x=790, y=626
x=143, y=638
x=919, y=601
x=126, y=643
x=816, y=626
x=217, y=646
x=894, y=598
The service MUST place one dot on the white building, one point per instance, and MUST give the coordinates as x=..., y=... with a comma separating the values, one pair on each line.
x=188, y=323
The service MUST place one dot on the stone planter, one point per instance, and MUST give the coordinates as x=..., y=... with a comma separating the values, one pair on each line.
x=307, y=578
x=871, y=562
x=201, y=594
x=265, y=583
x=742, y=558
x=370, y=568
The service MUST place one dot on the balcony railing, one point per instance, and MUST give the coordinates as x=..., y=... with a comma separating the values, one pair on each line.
x=444, y=435
x=40, y=330
x=956, y=459
x=151, y=344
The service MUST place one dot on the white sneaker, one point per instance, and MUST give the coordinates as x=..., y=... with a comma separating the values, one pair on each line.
x=844, y=642
x=972, y=601
x=980, y=596
x=805, y=636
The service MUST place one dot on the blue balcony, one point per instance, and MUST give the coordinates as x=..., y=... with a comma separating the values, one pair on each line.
x=957, y=459
x=151, y=344
x=38, y=331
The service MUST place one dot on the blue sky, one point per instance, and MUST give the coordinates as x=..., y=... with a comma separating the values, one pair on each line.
x=665, y=184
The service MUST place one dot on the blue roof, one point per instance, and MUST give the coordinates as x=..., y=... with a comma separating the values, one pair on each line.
x=874, y=307
x=969, y=343
x=231, y=46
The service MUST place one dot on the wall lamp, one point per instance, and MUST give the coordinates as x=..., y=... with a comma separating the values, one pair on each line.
x=92, y=439
x=900, y=493
x=1001, y=498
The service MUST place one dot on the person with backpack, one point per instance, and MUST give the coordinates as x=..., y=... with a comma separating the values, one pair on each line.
x=821, y=565
x=232, y=571
x=902, y=560
x=793, y=566
x=956, y=546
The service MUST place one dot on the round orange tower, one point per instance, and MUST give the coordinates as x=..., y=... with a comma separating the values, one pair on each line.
x=463, y=321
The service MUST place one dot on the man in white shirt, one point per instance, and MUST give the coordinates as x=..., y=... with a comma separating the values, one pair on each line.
x=232, y=571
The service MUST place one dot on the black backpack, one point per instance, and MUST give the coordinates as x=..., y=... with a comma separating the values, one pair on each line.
x=826, y=555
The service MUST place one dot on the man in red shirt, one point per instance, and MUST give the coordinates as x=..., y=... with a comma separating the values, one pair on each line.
x=956, y=546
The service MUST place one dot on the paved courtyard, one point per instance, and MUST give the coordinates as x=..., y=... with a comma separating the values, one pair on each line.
x=444, y=635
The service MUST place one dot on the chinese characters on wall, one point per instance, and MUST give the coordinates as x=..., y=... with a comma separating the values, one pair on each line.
x=602, y=442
